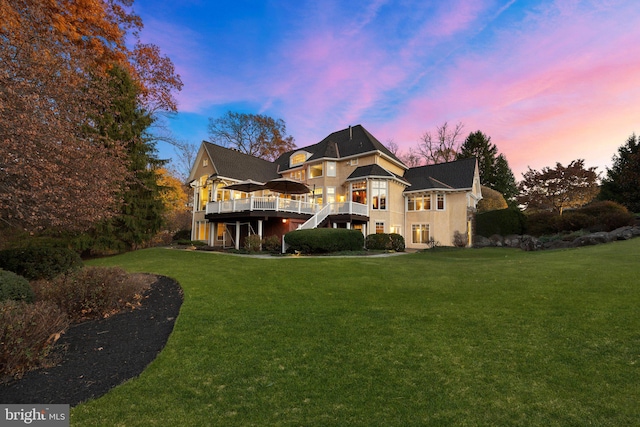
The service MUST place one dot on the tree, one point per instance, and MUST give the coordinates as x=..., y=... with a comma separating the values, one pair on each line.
x=141, y=213
x=622, y=183
x=504, y=180
x=254, y=134
x=493, y=168
x=441, y=147
x=558, y=188
x=54, y=59
x=174, y=197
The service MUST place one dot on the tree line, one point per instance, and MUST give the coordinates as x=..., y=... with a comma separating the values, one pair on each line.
x=79, y=92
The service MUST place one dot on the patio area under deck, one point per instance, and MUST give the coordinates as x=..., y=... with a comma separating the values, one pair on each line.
x=260, y=209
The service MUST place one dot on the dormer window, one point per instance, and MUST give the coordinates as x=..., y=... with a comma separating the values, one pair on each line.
x=298, y=158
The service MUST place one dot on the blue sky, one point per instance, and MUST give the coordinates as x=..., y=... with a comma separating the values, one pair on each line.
x=548, y=81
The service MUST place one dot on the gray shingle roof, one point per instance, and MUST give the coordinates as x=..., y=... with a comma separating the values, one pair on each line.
x=338, y=145
x=451, y=175
x=234, y=164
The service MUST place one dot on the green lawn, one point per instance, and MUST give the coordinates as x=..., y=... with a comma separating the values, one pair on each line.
x=451, y=337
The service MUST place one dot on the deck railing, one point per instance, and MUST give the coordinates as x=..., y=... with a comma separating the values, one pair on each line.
x=276, y=204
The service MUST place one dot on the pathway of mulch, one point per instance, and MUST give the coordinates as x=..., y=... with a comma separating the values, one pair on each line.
x=101, y=354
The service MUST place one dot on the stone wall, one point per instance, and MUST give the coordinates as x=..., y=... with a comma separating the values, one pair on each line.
x=530, y=243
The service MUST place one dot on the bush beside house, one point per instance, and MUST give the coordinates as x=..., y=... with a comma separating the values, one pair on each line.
x=385, y=242
x=324, y=240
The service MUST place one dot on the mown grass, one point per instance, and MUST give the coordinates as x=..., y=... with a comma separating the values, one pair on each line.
x=443, y=338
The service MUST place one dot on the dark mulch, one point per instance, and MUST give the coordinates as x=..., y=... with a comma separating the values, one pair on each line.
x=101, y=354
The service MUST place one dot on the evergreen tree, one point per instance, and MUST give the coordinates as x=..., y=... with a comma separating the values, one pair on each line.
x=493, y=168
x=140, y=216
x=622, y=183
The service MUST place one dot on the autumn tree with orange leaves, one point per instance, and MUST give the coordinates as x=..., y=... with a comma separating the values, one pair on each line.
x=56, y=170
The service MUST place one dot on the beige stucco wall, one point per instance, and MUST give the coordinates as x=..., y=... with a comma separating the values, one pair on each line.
x=442, y=224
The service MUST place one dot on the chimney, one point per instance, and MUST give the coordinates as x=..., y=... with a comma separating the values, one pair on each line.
x=350, y=133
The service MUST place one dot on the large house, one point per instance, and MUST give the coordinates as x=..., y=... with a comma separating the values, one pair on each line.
x=347, y=180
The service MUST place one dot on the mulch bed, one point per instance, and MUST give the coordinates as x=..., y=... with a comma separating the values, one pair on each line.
x=97, y=355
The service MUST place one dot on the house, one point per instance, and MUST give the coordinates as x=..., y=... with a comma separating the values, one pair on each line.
x=352, y=181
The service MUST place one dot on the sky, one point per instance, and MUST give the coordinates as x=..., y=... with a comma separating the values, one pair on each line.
x=548, y=81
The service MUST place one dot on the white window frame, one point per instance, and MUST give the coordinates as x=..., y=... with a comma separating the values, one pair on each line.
x=332, y=169
x=421, y=228
x=377, y=186
x=444, y=202
x=331, y=194
x=376, y=227
x=321, y=165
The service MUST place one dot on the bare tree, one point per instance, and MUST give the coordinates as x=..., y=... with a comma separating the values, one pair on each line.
x=411, y=158
x=442, y=146
x=254, y=134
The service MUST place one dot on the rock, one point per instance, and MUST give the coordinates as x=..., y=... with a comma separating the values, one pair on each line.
x=593, y=239
x=530, y=243
x=496, y=240
x=481, y=242
x=512, y=241
x=622, y=233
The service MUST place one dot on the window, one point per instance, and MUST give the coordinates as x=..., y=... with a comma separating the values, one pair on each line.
x=205, y=162
x=223, y=194
x=359, y=192
x=317, y=195
x=331, y=194
x=379, y=195
x=220, y=231
x=353, y=162
x=396, y=229
x=440, y=202
x=202, y=230
x=331, y=168
x=379, y=227
x=420, y=233
x=315, y=171
x=297, y=159
x=419, y=203
x=298, y=175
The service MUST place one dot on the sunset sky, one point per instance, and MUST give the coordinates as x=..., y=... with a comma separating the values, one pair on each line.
x=548, y=81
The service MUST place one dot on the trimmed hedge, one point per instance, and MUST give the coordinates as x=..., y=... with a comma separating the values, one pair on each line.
x=39, y=262
x=384, y=241
x=14, y=287
x=502, y=222
x=597, y=216
x=323, y=240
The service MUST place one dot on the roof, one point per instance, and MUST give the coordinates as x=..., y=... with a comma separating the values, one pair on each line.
x=344, y=143
x=231, y=163
x=446, y=176
x=374, y=170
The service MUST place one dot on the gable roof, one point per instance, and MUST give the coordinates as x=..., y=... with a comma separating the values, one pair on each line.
x=455, y=175
x=374, y=171
x=233, y=164
x=344, y=143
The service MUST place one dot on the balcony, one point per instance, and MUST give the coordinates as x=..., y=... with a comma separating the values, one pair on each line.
x=275, y=204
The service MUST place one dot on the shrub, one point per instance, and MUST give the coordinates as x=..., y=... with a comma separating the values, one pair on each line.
x=182, y=235
x=92, y=292
x=322, y=240
x=271, y=244
x=14, y=287
x=460, y=240
x=491, y=200
x=502, y=222
x=541, y=223
x=28, y=333
x=39, y=262
x=383, y=241
x=253, y=243
x=574, y=221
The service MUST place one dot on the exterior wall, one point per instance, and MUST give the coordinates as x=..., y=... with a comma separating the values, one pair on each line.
x=442, y=224
x=393, y=216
